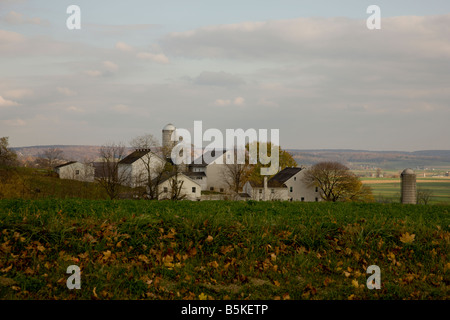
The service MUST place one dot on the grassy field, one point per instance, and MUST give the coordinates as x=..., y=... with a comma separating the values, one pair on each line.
x=222, y=250
x=388, y=189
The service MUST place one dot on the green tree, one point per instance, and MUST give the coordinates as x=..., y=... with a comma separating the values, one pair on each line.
x=7, y=156
x=285, y=160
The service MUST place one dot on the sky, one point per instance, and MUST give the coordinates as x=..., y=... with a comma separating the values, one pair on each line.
x=311, y=69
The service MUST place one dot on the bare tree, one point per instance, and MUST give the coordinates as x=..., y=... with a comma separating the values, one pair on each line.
x=176, y=187
x=154, y=167
x=337, y=182
x=109, y=176
x=50, y=157
x=235, y=174
x=424, y=196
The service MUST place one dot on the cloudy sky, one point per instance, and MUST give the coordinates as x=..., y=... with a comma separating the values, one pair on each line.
x=311, y=69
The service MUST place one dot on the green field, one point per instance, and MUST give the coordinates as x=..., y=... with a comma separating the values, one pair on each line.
x=390, y=191
x=222, y=250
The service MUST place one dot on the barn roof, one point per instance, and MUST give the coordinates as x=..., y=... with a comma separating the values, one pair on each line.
x=66, y=164
x=285, y=174
x=134, y=156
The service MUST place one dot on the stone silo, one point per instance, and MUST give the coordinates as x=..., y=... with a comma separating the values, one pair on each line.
x=409, y=190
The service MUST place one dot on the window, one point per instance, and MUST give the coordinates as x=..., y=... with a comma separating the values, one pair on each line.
x=211, y=188
x=290, y=189
x=317, y=199
x=193, y=189
x=221, y=189
x=77, y=171
x=260, y=190
x=272, y=190
x=165, y=190
x=303, y=199
x=317, y=189
x=295, y=178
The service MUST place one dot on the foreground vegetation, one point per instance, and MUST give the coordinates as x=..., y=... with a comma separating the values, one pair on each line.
x=222, y=250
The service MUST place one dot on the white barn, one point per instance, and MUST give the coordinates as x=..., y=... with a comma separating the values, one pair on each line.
x=190, y=189
x=75, y=170
x=138, y=165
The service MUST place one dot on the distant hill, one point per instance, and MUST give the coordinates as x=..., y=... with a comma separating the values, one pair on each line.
x=355, y=159
x=388, y=160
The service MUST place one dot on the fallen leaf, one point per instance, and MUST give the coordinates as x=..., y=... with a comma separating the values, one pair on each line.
x=407, y=238
x=209, y=239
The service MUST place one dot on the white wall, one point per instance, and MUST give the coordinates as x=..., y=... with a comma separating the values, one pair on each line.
x=76, y=171
x=137, y=174
x=186, y=188
x=257, y=193
x=301, y=190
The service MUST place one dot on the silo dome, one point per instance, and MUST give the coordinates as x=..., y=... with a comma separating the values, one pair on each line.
x=169, y=127
x=407, y=171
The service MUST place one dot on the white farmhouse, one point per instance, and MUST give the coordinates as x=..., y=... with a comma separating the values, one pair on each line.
x=186, y=188
x=298, y=190
x=287, y=185
x=135, y=169
x=75, y=170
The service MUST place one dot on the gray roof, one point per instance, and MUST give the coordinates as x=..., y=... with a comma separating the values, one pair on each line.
x=65, y=164
x=134, y=156
x=285, y=174
x=211, y=154
x=195, y=174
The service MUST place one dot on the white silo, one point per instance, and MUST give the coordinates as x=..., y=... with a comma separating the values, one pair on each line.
x=167, y=142
x=409, y=190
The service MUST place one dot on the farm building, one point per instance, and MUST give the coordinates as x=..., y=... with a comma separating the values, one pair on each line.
x=285, y=185
x=138, y=166
x=179, y=186
x=75, y=170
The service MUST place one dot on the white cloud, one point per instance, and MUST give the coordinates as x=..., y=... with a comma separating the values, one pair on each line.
x=18, y=93
x=73, y=109
x=18, y=18
x=121, y=108
x=7, y=103
x=122, y=46
x=317, y=38
x=110, y=66
x=10, y=38
x=238, y=101
x=14, y=122
x=159, y=57
x=66, y=91
x=93, y=73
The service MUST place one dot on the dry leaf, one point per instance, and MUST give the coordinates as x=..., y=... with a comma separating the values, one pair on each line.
x=209, y=239
x=407, y=238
